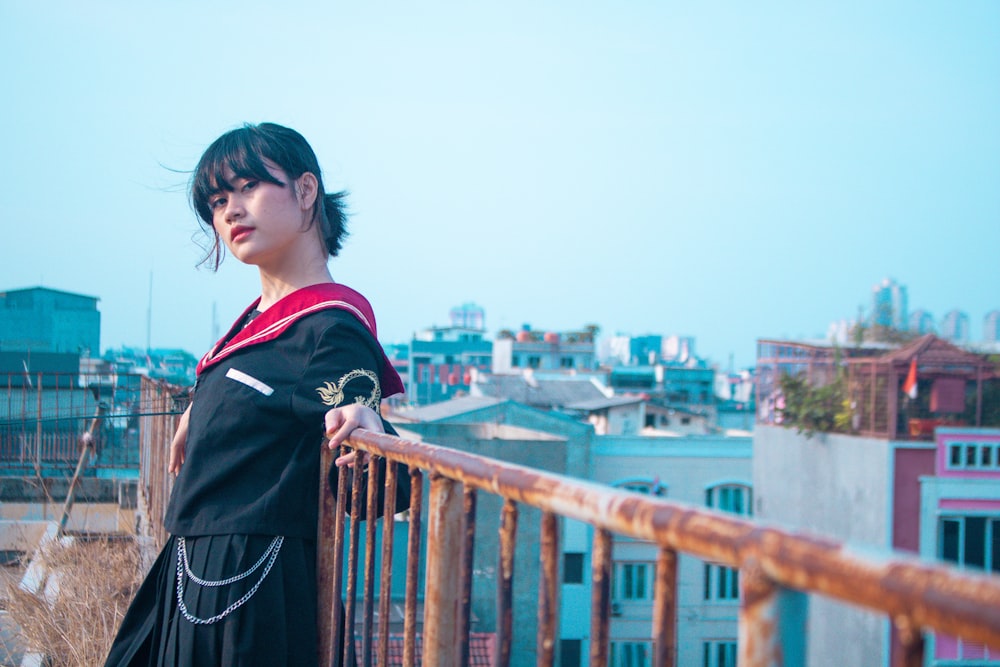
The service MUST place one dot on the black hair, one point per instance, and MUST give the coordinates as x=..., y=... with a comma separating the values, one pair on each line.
x=243, y=152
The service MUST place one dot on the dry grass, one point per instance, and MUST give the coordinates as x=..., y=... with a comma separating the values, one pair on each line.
x=96, y=581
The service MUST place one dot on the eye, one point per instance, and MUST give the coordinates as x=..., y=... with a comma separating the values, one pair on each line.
x=216, y=203
x=249, y=185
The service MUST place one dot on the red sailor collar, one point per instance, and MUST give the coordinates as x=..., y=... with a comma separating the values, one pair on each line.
x=286, y=311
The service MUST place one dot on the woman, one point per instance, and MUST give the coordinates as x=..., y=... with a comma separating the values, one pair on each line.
x=235, y=583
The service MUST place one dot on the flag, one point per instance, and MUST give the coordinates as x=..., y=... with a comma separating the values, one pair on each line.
x=910, y=384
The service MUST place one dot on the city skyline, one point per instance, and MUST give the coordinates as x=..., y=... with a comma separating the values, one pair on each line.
x=723, y=172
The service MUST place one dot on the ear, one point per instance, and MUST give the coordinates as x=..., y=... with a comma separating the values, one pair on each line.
x=306, y=188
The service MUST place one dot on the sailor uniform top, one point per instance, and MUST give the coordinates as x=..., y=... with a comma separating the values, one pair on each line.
x=256, y=424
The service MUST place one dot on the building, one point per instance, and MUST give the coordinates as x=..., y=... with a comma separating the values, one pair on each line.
x=922, y=322
x=991, y=327
x=40, y=319
x=897, y=477
x=440, y=360
x=889, y=305
x=955, y=326
x=544, y=351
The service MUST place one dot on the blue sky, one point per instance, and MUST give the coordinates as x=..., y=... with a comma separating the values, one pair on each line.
x=728, y=171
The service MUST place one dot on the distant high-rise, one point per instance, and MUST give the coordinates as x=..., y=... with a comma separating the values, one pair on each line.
x=955, y=326
x=889, y=305
x=991, y=327
x=921, y=322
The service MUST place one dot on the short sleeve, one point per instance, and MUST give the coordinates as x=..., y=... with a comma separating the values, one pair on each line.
x=343, y=369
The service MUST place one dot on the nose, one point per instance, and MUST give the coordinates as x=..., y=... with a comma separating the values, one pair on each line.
x=234, y=209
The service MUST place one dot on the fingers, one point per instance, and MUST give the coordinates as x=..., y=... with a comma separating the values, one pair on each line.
x=352, y=459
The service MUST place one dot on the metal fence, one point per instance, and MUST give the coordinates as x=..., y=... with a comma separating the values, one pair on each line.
x=777, y=568
x=43, y=415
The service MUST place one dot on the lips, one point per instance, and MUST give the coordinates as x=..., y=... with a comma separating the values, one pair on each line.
x=239, y=232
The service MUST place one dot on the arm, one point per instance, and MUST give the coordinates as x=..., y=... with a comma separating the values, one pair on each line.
x=178, y=443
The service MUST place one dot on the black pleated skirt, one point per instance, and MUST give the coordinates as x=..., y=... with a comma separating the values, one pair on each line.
x=276, y=626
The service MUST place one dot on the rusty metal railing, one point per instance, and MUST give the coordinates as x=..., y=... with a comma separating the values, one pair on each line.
x=775, y=566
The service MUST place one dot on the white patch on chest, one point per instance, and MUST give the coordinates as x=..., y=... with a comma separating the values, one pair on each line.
x=249, y=381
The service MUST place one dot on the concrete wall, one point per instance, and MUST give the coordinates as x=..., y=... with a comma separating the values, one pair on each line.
x=686, y=467
x=841, y=487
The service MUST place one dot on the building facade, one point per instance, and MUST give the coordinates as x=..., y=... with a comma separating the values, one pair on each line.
x=40, y=319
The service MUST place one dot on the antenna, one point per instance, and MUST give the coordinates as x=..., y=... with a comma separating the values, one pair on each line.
x=149, y=313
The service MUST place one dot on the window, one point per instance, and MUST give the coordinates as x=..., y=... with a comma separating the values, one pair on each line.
x=572, y=568
x=649, y=486
x=515, y=361
x=570, y=652
x=973, y=456
x=630, y=654
x=971, y=541
x=534, y=361
x=721, y=582
x=632, y=581
x=566, y=362
x=719, y=654
x=733, y=498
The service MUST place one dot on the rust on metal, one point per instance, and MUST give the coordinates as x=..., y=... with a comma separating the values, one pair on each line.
x=441, y=591
x=934, y=596
x=385, y=580
x=910, y=651
x=665, y=609
x=368, y=608
x=412, y=566
x=505, y=581
x=329, y=561
x=548, y=590
x=352, y=565
x=465, y=572
x=758, y=621
x=600, y=598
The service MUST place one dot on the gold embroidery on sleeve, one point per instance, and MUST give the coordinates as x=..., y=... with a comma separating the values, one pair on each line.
x=332, y=393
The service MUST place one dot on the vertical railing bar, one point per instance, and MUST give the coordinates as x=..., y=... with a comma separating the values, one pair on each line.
x=371, y=512
x=505, y=581
x=911, y=644
x=548, y=590
x=385, y=581
x=600, y=598
x=467, y=564
x=665, y=609
x=758, y=625
x=412, y=567
x=441, y=585
x=354, y=538
x=330, y=564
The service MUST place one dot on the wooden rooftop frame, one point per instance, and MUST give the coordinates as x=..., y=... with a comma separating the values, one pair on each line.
x=876, y=374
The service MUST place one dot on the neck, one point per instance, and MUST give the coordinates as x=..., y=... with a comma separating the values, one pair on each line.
x=274, y=287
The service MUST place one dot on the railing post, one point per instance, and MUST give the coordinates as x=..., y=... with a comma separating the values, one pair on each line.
x=910, y=652
x=443, y=598
x=772, y=624
x=600, y=597
x=548, y=591
x=505, y=581
x=665, y=609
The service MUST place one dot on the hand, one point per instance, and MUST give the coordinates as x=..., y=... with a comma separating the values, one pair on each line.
x=178, y=443
x=341, y=422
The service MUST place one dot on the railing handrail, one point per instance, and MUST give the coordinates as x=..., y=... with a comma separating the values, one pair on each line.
x=914, y=593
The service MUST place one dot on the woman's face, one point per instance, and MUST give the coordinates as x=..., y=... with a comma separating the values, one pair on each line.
x=266, y=224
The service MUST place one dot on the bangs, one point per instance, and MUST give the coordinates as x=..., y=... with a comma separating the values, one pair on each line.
x=242, y=152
